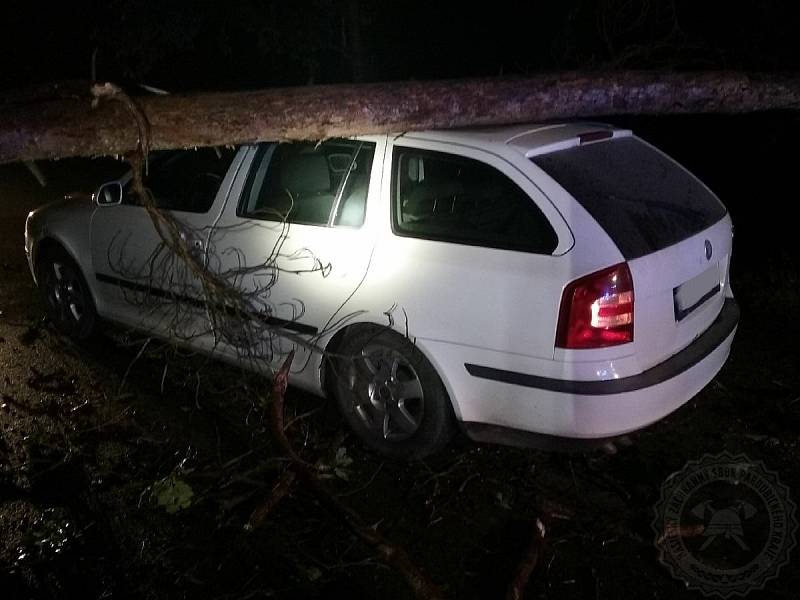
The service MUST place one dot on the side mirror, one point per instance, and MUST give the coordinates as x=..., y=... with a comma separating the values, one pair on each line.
x=109, y=194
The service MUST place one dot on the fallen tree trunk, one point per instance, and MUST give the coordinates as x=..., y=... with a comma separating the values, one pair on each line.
x=57, y=128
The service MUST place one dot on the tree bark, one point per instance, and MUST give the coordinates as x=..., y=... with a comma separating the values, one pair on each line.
x=58, y=128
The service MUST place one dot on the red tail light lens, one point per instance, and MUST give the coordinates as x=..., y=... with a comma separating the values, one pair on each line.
x=597, y=310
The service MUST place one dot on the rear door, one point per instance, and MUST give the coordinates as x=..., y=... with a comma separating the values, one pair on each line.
x=674, y=232
x=296, y=239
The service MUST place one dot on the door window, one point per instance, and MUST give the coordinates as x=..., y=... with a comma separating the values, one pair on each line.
x=309, y=183
x=185, y=180
x=451, y=198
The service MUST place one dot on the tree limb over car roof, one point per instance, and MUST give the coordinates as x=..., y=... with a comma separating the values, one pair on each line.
x=45, y=128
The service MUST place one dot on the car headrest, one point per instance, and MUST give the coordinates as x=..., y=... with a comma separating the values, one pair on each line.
x=416, y=169
x=306, y=174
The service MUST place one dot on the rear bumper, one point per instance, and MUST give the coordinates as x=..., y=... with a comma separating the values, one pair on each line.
x=705, y=344
x=608, y=408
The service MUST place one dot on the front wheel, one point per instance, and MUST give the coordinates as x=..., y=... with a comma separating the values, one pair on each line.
x=66, y=295
x=390, y=395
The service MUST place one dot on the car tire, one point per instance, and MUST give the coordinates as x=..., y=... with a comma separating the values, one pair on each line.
x=66, y=295
x=390, y=395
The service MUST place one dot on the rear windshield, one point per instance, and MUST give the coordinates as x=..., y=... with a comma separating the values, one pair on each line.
x=643, y=199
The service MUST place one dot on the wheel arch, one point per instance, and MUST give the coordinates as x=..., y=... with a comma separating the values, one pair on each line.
x=52, y=244
x=335, y=342
x=49, y=244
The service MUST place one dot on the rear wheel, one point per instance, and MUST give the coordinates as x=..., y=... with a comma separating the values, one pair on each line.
x=390, y=395
x=66, y=295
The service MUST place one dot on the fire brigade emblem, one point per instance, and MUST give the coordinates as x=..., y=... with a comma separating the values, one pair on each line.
x=724, y=525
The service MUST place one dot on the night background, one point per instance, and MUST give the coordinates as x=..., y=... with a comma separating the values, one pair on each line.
x=185, y=45
x=88, y=434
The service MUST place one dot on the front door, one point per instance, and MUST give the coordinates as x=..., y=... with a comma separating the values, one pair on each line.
x=297, y=242
x=141, y=280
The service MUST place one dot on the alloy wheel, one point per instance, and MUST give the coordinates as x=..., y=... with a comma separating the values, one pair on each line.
x=66, y=295
x=389, y=395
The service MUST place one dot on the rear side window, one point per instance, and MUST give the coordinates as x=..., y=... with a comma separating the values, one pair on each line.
x=450, y=198
x=643, y=199
x=309, y=183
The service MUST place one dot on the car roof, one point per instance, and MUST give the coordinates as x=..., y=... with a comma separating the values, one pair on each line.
x=528, y=139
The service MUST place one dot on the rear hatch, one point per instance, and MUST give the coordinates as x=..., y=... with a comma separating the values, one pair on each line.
x=672, y=230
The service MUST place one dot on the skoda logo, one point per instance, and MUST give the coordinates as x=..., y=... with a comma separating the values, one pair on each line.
x=709, y=250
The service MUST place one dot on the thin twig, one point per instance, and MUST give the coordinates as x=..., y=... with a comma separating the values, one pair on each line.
x=363, y=487
x=130, y=365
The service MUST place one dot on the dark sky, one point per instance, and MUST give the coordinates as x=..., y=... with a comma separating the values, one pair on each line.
x=190, y=44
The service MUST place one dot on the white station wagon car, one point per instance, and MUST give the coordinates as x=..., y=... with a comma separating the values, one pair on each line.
x=526, y=284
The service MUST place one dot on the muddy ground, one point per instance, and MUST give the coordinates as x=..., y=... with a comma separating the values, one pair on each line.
x=92, y=439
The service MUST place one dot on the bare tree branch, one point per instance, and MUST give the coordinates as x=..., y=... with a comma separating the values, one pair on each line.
x=528, y=563
x=279, y=491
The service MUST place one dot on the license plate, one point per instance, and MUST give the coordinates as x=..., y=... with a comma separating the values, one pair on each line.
x=691, y=294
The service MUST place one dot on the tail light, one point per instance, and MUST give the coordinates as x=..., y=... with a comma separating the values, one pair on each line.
x=597, y=310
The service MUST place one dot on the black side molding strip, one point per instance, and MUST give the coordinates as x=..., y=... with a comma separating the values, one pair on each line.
x=684, y=360
x=197, y=303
